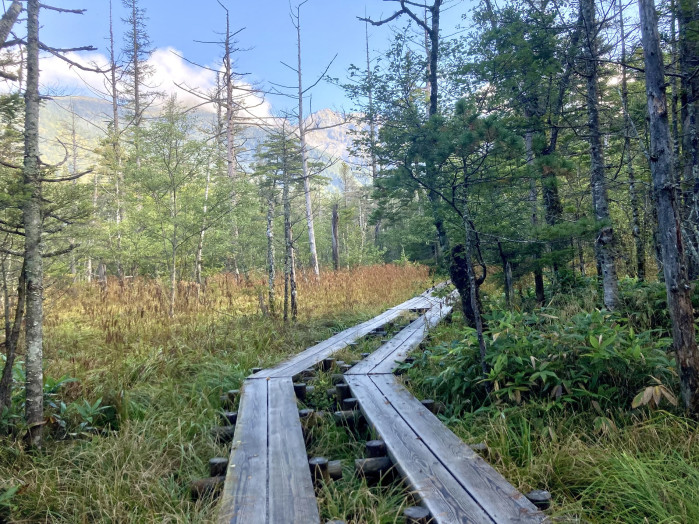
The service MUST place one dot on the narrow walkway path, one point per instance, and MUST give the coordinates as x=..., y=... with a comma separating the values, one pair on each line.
x=268, y=479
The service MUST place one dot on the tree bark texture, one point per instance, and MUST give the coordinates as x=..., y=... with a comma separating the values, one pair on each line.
x=636, y=231
x=507, y=275
x=116, y=146
x=605, y=236
x=533, y=202
x=8, y=20
x=31, y=214
x=12, y=332
x=290, y=305
x=677, y=284
x=270, y=252
x=688, y=23
x=202, y=233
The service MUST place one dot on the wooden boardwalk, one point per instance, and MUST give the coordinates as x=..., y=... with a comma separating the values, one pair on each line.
x=313, y=355
x=447, y=476
x=268, y=480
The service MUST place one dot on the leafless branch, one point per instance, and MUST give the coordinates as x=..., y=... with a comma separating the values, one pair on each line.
x=381, y=22
x=60, y=252
x=10, y=252
x=7, y=164
x=58, y=54
x=321, y=76
x=67, y=178
x=65, y=156
x=62, y=10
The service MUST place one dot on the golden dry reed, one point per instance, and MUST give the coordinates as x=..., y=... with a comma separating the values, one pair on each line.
x=334, y=291
x=93, y=331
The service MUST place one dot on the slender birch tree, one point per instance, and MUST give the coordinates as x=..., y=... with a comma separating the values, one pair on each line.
x=296, y=20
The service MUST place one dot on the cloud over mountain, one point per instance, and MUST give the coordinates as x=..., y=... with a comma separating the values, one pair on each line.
x=170, y=70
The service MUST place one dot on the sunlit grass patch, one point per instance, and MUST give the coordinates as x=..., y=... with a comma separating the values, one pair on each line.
x=160, y=379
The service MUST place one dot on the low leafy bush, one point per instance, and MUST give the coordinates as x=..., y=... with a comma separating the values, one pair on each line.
x=595, y=360
x=63, y=420
x=562, y=411
x=645, y=303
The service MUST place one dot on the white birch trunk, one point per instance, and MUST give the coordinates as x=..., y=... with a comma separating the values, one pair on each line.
x=31, y=212
x=605, y=237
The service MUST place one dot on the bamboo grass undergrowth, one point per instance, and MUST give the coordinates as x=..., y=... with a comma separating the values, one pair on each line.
x=602, y=459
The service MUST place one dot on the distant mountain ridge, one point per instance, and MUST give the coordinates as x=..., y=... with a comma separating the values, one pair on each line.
x=329, y=139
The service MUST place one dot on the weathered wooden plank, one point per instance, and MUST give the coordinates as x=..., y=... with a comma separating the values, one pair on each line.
x=395, y=349
x=440, y=309
x=385, y=359
x=244, y=499
x=447, y=500
x=318, y=352
x=292, y=498
x=429, y=320
x=492, y=491
x=315, y=354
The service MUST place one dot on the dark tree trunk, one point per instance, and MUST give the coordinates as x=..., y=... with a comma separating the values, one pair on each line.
x=474, y=299
x=458, y=271
x=688, y=22
x=533, y=202
x=669, y=224
x=507, y=276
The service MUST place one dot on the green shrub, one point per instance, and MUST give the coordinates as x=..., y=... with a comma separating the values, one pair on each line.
x=595, y=359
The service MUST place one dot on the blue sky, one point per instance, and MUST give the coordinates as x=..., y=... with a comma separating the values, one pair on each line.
x=329, y=27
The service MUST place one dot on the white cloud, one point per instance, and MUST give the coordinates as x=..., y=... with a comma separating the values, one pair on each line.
x=61, y=78
x=169, y=71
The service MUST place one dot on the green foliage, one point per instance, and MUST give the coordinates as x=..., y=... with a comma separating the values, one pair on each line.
x=79, y=418
x=643, y=469
x=594, y=359
x=645, y=303
x=579, y=407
